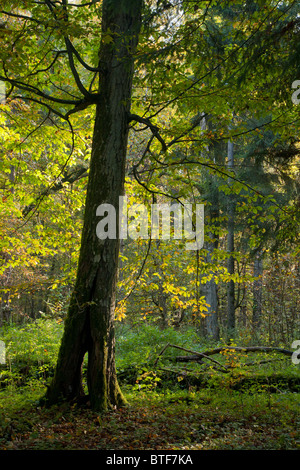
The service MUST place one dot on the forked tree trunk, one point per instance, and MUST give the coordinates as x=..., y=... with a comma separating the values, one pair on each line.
x=89, y=326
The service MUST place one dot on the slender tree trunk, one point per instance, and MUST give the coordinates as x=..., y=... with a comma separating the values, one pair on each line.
x=210, y=325
x=211, y=298
x=230, y=249
x=89, y=325
x=161, y=295
x=257, y=292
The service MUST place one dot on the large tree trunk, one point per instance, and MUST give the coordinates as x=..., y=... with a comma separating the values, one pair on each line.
x=89, y=327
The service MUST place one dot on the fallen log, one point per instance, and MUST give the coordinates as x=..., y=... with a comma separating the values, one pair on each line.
x=200, y=356
x=266, y=349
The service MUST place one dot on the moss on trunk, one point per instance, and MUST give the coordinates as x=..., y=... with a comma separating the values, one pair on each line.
x=90, y=322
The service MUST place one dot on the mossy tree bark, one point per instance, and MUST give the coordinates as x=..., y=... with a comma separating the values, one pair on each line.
x=89, y=326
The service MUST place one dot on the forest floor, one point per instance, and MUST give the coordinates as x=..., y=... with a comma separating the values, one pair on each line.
x=254, y=406
x=154, y=420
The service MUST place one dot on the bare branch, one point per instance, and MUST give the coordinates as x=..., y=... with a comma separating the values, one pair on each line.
x=17, y=15
x=37, y=91
x=198, y=355
x=266, y=349
x=154, y=129
x=34, y=100
x=58, y=53
x=80, y=59
x=75, y=74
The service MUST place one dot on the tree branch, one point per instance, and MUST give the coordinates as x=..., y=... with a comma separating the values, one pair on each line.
x=70, y=50
x=75, y=74
x=58, y=53
x=36, y=91
x=80, y=59
x=17, y=15
x=83, y=104
x=70, y=178
x=154, y=129
x=266, y=349
x=198, y=355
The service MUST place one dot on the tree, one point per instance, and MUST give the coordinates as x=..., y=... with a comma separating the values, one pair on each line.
x=257, y=290
x=230, y=247
x=89, y=325
x=41, y=65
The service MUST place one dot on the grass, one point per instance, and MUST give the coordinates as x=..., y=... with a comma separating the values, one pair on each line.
x=165, y=420
x=247, y=409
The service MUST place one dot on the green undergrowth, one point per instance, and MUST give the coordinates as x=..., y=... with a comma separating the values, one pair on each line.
x=31, y=353
x=143, y=344
x=171, y=405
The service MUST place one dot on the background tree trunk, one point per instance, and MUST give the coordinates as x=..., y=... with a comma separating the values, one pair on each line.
x=210, y=289
x=257, y=291
x=211, y=297
x=230, y=249
x=90, y=322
